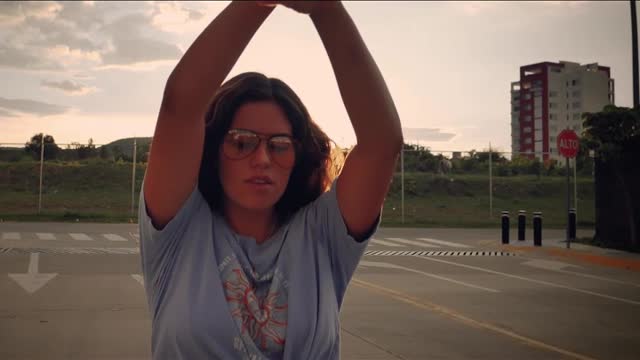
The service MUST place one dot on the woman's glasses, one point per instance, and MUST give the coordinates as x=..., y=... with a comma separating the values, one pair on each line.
x=240, y=143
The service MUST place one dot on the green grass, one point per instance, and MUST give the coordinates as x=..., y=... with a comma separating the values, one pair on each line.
x=101, y=192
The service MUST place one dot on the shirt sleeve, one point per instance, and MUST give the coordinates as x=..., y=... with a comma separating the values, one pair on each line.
x=160, y=248
x=344, y=251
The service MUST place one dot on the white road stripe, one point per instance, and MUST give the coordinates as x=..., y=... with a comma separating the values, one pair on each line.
x=385, y=243
x=534, y=280
x=445, y=243
x=412, y=242
x=45, y=236
x=393, y=266
x=114, y=237
x=11, y=236
x=80, y=236
x=138, y=278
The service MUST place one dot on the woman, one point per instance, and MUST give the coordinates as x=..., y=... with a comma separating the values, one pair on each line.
x=245, y=254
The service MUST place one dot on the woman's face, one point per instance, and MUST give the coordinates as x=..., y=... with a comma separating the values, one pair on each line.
x=243, y=180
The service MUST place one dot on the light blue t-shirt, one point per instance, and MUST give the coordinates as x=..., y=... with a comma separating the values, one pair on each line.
x=214, y=294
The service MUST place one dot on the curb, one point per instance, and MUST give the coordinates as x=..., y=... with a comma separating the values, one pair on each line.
x=603, y=260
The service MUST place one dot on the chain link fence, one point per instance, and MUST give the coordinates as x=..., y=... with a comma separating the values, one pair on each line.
x=89, y=182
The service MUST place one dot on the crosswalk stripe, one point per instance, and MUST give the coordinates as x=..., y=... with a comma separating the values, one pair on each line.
x=11, y=236
x=114, y=237
x=386, y=243
x=46, y=236
x=411, y=242
x=445, y=243
x=80, y=236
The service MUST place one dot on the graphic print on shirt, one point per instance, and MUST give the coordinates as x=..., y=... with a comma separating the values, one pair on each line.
x=260, y=313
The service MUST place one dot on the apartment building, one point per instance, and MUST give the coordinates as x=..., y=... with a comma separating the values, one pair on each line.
x=551, y=97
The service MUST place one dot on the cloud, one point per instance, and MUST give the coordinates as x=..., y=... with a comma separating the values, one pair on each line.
x=6, y=113
x=15, y=12
x=426, y=134
x=69, y=87
x=130, y=46
x=473, y=8
x=33, y=107
x=16, y=58
x=176, y=17
x=83, y=36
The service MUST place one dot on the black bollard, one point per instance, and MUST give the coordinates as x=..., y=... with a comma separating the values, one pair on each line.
x=572, y=224
x=505, y=227
x=537, y=229
x=522, y=220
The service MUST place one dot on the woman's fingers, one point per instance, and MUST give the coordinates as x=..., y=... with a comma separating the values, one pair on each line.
x=267, y=3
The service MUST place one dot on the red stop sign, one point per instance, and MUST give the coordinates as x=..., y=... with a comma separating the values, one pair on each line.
x=568, y=143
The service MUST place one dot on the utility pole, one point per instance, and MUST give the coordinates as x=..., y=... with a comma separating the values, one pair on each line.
x=634, y=48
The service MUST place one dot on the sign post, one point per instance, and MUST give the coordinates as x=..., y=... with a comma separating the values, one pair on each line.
x=568, y=146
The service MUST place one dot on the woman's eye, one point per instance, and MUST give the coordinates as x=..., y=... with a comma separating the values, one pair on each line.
x=280, y=145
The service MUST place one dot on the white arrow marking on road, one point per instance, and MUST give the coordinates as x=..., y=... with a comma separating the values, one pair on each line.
x=138, y=278
x=445, y=243
x=393, y=266
x=32, y=281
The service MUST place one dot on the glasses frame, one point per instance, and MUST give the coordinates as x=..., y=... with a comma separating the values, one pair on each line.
x=261, y=137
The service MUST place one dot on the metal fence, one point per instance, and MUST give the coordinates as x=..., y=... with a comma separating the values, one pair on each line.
x=86, y=182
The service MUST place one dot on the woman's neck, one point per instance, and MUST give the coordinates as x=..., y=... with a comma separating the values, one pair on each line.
x=258, y=224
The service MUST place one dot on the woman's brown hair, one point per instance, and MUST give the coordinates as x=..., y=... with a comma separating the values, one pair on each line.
x=317, y=163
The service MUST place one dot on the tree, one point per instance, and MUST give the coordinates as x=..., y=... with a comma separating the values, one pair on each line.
x=105, y=153
x=34, y=146
x=614, y=135
x=85, y=152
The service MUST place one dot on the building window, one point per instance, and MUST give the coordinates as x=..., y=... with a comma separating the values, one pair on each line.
x=527, y=141
x=516, y=108
x=553, y=93
x=527, y=96
x=527, y=107
x=576, y=93
x=576, y=116
x=576, y=105
x=552, y=105
x=575, y=82
x=527, y=118
x=526, y=129
x=552, y=116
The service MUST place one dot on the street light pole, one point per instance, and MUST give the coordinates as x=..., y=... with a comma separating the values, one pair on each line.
x=634, y=48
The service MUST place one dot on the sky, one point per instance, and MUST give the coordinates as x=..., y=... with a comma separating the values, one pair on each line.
x=80, y=70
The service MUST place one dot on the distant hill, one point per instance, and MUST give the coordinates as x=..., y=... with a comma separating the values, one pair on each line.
x=126, y=145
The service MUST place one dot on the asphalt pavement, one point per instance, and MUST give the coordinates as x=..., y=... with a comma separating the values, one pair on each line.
x=74, y=291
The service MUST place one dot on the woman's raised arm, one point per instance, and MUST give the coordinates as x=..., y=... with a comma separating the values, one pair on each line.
x=176, y=150
x=366, y=175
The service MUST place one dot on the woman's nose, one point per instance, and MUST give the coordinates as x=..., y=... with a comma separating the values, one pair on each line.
x=261, y=155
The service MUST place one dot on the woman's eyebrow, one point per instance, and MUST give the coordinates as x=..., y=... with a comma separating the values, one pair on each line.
x=266, y=134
